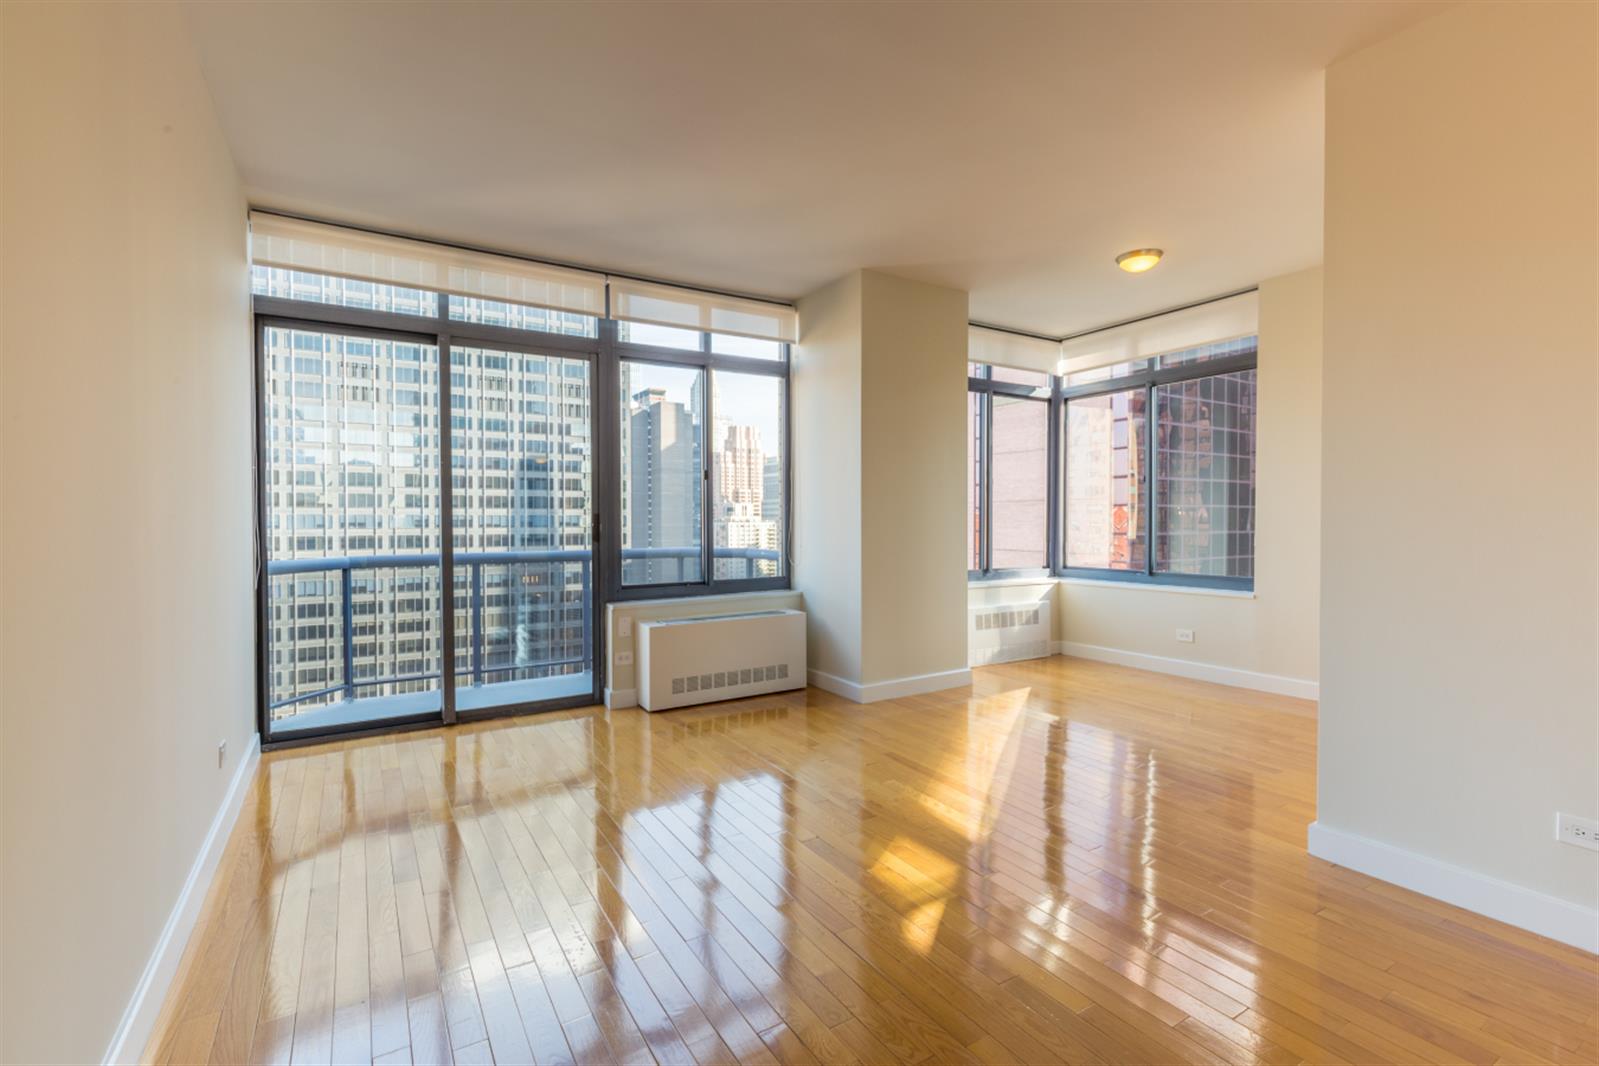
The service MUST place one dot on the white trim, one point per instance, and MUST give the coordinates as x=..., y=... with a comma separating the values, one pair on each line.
x=1221, y=675
x=975, y=583
x=149, y=995
x=1524, y=908
x=1158, y=586
x=894, y=689
x=616, y=698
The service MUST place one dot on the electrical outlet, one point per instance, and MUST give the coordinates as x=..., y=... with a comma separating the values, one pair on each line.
x=222, y=754
x=1583, y=832
x=624, y=626
x=624, y=658
x=1185, y=636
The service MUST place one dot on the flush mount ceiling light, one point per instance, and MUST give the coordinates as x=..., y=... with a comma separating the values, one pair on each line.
x=1139, y=259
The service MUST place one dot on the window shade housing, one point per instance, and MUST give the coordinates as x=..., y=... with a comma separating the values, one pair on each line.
x=1218, y=320
x=667, y=305
x=1011, y=349
x=318, y=248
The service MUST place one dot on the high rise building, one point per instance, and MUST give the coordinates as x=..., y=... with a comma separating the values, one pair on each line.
x=663, y=508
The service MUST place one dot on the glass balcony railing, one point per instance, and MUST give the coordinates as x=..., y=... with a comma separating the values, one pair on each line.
x=355, y=638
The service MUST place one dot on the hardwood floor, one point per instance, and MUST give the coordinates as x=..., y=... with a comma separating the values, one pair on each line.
x=1069, y=862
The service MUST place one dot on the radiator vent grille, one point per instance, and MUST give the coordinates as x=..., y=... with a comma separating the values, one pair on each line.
x=743, y=675
x=1007, y=618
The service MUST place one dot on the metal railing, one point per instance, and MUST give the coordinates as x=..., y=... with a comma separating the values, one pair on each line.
x=474, y=562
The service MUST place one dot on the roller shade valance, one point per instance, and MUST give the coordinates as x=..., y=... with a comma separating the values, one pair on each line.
x=315, y=247
x=1218, y=320
x=1000, y=348
x=667, y=305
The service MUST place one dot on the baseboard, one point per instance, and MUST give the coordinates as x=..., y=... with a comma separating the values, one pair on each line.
x=1221, y=675
x=139, y=1020
x=621, y=697
x=1524, y=908
x=876, y=691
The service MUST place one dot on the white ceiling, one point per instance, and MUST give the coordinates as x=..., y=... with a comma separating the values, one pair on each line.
x=1009, y=150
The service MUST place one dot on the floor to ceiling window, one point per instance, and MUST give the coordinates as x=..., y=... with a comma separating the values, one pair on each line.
x=392, y=370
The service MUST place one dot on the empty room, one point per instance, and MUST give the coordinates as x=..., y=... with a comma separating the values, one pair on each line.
x=798, y=532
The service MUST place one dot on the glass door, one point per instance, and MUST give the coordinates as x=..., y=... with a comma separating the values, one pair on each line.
x=353, y=590
x=522, y=519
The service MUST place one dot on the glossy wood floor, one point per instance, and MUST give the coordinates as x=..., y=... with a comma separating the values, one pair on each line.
x=1069, y=862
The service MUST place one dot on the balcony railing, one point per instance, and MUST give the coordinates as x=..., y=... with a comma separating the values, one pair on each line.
x=475, y=563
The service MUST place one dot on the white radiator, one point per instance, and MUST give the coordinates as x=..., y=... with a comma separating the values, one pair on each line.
x=1006, y=632
x=683, y=661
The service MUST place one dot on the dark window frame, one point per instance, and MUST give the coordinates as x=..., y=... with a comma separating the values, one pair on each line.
x=604, y=354
x=1059, y=394
x=1148, y=380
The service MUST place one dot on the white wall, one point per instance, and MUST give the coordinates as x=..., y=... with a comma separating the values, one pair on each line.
x=126, y=620
x=1459, y=703
x=1267, y=639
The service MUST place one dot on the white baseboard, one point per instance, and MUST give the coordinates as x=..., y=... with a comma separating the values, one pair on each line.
x=621, y=697
x=1221, y=675
x=1524, y=908
x=144, y=1009
x=890, y=690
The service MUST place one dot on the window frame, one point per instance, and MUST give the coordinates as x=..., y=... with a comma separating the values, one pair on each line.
x=1148, y=380
x=604, y=353
x=983, y=385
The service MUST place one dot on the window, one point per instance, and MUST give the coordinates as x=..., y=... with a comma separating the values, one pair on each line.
x=1007, y=470
x=1158, y=461
x=1106, y=444
x=1205, y=476
x=748, y=475
x=436, y=468
x=662, y=449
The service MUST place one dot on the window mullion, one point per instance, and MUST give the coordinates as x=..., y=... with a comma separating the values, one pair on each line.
x=1152, y=434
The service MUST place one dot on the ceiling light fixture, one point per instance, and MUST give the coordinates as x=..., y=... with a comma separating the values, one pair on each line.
x=1139, y=259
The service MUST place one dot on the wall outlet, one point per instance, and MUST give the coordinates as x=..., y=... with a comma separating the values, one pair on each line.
x=222, y=754
x=624, y=626
x=1583, y=832
x=1185, y=636
x=624, y=658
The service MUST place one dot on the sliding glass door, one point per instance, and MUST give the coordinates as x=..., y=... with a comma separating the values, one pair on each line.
x=363, y=551
x=351, y=514
x=522, y=515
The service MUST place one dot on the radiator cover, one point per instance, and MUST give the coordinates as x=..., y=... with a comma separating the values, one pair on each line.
x=684, y=661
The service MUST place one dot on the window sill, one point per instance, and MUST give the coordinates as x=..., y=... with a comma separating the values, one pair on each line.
x=704, y=597
x=1156, y=586
x=1009, y=582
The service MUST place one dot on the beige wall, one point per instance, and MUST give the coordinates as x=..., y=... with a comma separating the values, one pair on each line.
x=825, y=393
x=1268, y=638
x=127, y=505
x=1459, y=705
x=913, y=449
x=878, y=390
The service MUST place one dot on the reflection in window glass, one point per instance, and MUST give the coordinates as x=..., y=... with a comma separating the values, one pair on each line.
x=662, y=473
x=974, y=479
x=747, y=475
x=1020, y=525
x=660, y=336
x=1205, y=476
x=748, y=347
x=521, y=467
x=522, y=316
x=342, y=292
x=1106, y=443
